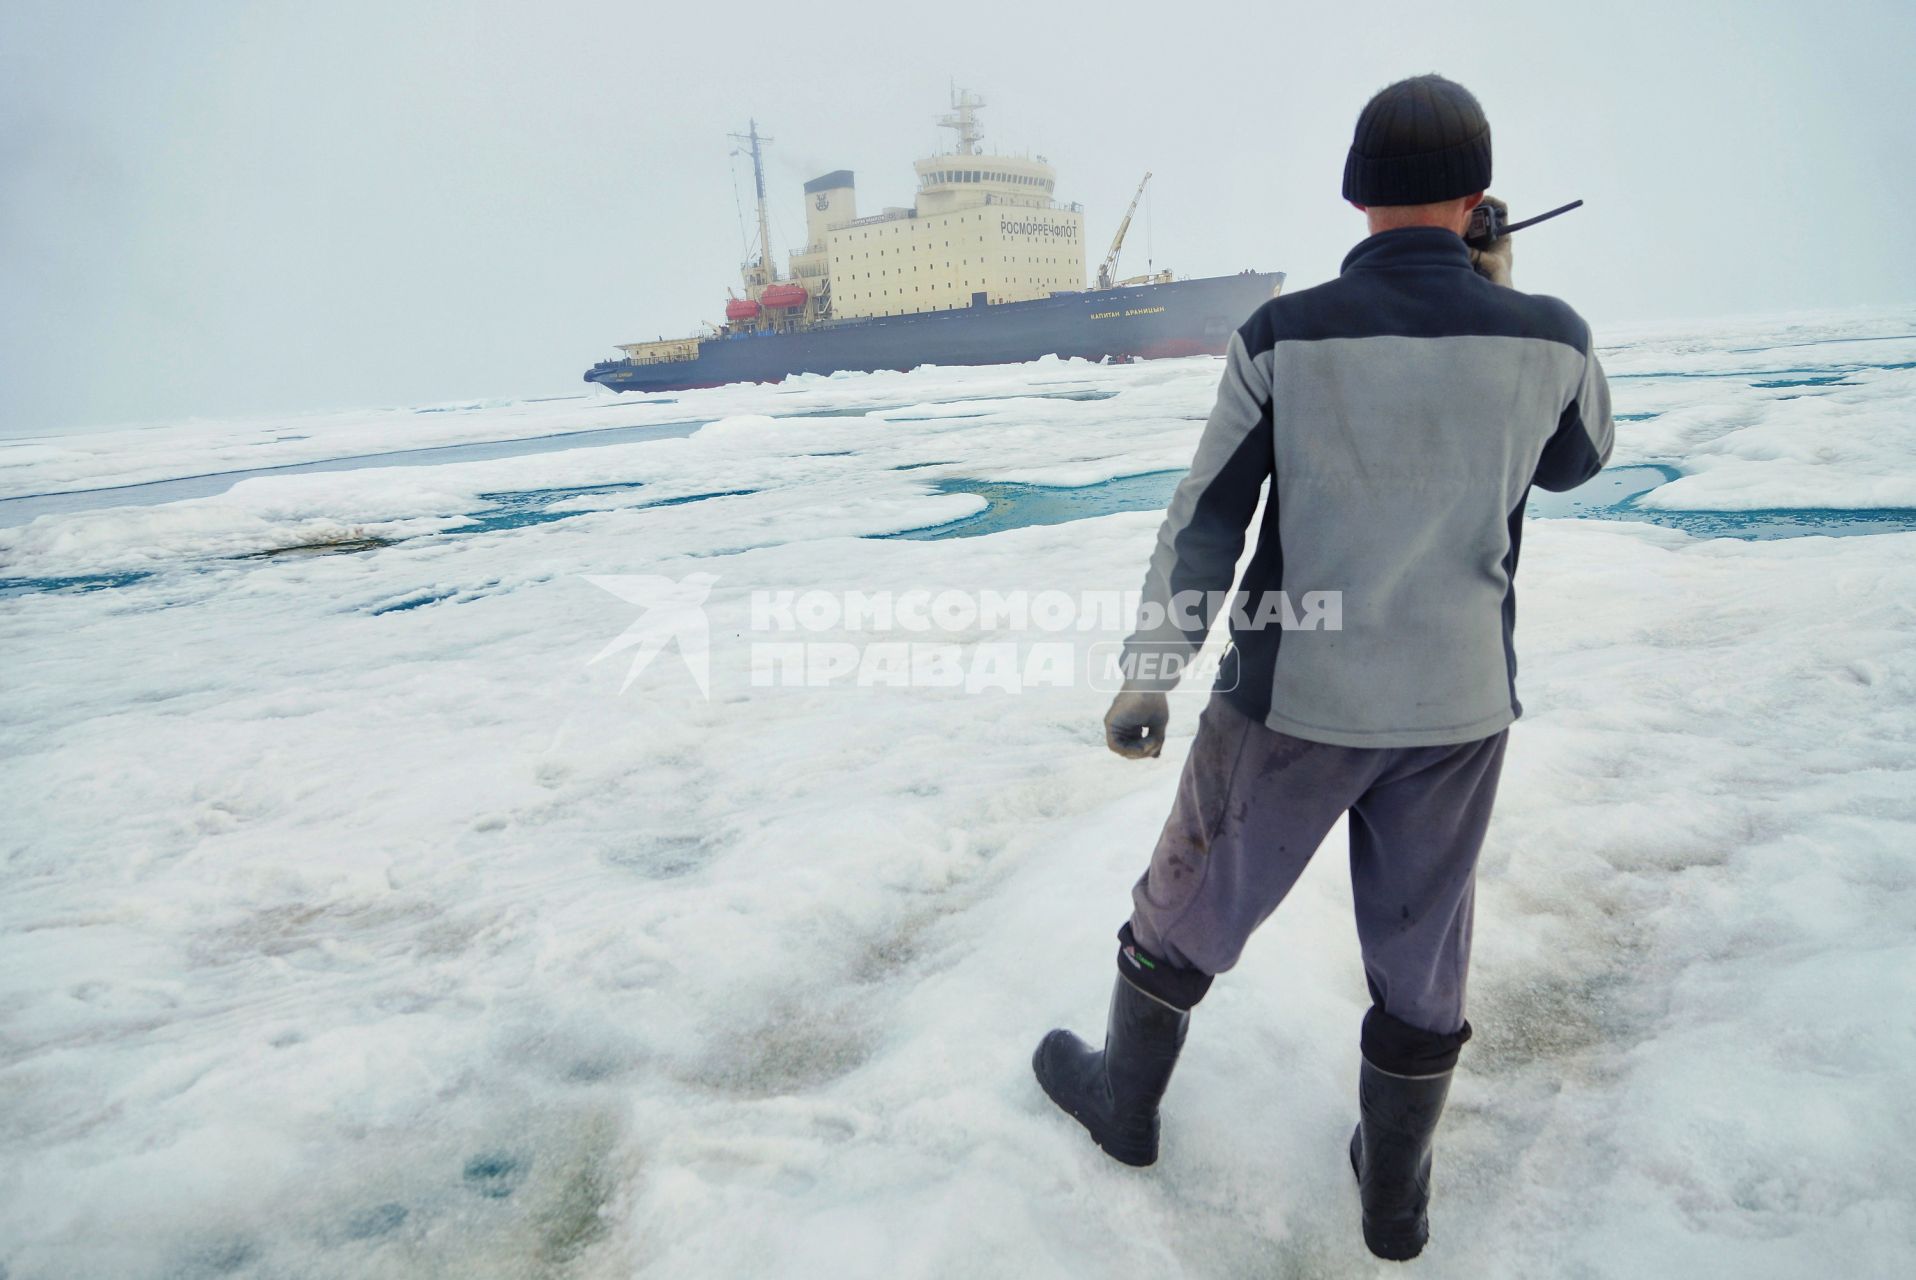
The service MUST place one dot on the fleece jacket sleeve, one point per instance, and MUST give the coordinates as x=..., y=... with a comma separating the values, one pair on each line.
x=1203, y=532
x=1585, y=432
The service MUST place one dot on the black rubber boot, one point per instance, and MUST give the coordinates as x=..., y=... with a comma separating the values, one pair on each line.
x=1115, y=1093
x=1390, y=1154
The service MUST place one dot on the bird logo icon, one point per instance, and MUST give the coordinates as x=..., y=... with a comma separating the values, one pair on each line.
x=673, y=612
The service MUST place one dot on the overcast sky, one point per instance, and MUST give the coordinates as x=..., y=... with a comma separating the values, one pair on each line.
x=224, y=208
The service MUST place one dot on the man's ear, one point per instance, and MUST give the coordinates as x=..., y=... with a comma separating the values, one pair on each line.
x=1360, y=208
x=1471, y=202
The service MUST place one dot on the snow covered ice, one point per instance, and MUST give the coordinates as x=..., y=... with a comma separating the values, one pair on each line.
x=355, y=924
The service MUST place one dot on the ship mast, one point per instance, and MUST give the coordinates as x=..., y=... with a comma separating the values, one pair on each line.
x=752, y=140
x=963, y=104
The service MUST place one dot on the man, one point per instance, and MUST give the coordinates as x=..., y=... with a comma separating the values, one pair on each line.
x=1401, y=413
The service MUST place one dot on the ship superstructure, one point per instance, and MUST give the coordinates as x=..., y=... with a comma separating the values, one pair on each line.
x=985, y=247
x=980, y=224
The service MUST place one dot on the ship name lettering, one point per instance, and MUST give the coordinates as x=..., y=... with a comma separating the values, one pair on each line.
x=1032, y=227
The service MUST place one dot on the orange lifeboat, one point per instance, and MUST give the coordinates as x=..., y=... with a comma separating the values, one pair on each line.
x=741, y=309
x=783, y=295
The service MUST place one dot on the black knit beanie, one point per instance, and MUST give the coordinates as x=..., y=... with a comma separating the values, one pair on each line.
x=1418, y=141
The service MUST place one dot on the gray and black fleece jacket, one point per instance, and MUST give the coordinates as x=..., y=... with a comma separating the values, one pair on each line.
x=1401, y=413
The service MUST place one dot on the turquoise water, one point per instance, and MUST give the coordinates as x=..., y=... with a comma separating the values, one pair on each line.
x=518, y=509
x=1010, y=505
x=1088, y=394
x=512, y=509
x=1610, y=496
x=1613, y=496
x=1809, y=375
x=25, y=507
x=75, y=585
x=1601, y=498
x=1015, y=506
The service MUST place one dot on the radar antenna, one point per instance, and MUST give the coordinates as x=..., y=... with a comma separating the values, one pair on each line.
x=963, y=104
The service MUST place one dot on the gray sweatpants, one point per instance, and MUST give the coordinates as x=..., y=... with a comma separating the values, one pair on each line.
x=1252, y=807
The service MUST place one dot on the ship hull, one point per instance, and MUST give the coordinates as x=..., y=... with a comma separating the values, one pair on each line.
x=1153, y=321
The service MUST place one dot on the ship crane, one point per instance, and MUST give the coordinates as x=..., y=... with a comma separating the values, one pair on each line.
x=1110, y=263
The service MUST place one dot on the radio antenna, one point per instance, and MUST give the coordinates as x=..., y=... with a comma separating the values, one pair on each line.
x=1542, y=217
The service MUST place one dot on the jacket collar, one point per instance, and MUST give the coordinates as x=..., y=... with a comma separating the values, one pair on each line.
x=1409, y=247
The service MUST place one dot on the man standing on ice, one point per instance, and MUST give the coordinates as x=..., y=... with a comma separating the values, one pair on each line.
x=1401, y=413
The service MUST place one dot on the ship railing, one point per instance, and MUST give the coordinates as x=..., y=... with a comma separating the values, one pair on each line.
x=633, y=362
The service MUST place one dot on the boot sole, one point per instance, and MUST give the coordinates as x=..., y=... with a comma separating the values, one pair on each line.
x=1137, y=1156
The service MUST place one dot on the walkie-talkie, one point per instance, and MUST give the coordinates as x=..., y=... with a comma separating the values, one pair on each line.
x=1487, y=223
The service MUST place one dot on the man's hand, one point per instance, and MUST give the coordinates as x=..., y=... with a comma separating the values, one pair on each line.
x=1493, y=263
x=1134, y=726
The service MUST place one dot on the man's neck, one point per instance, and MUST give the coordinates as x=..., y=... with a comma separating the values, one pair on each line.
x=1449, y=215
x=1381, y=221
